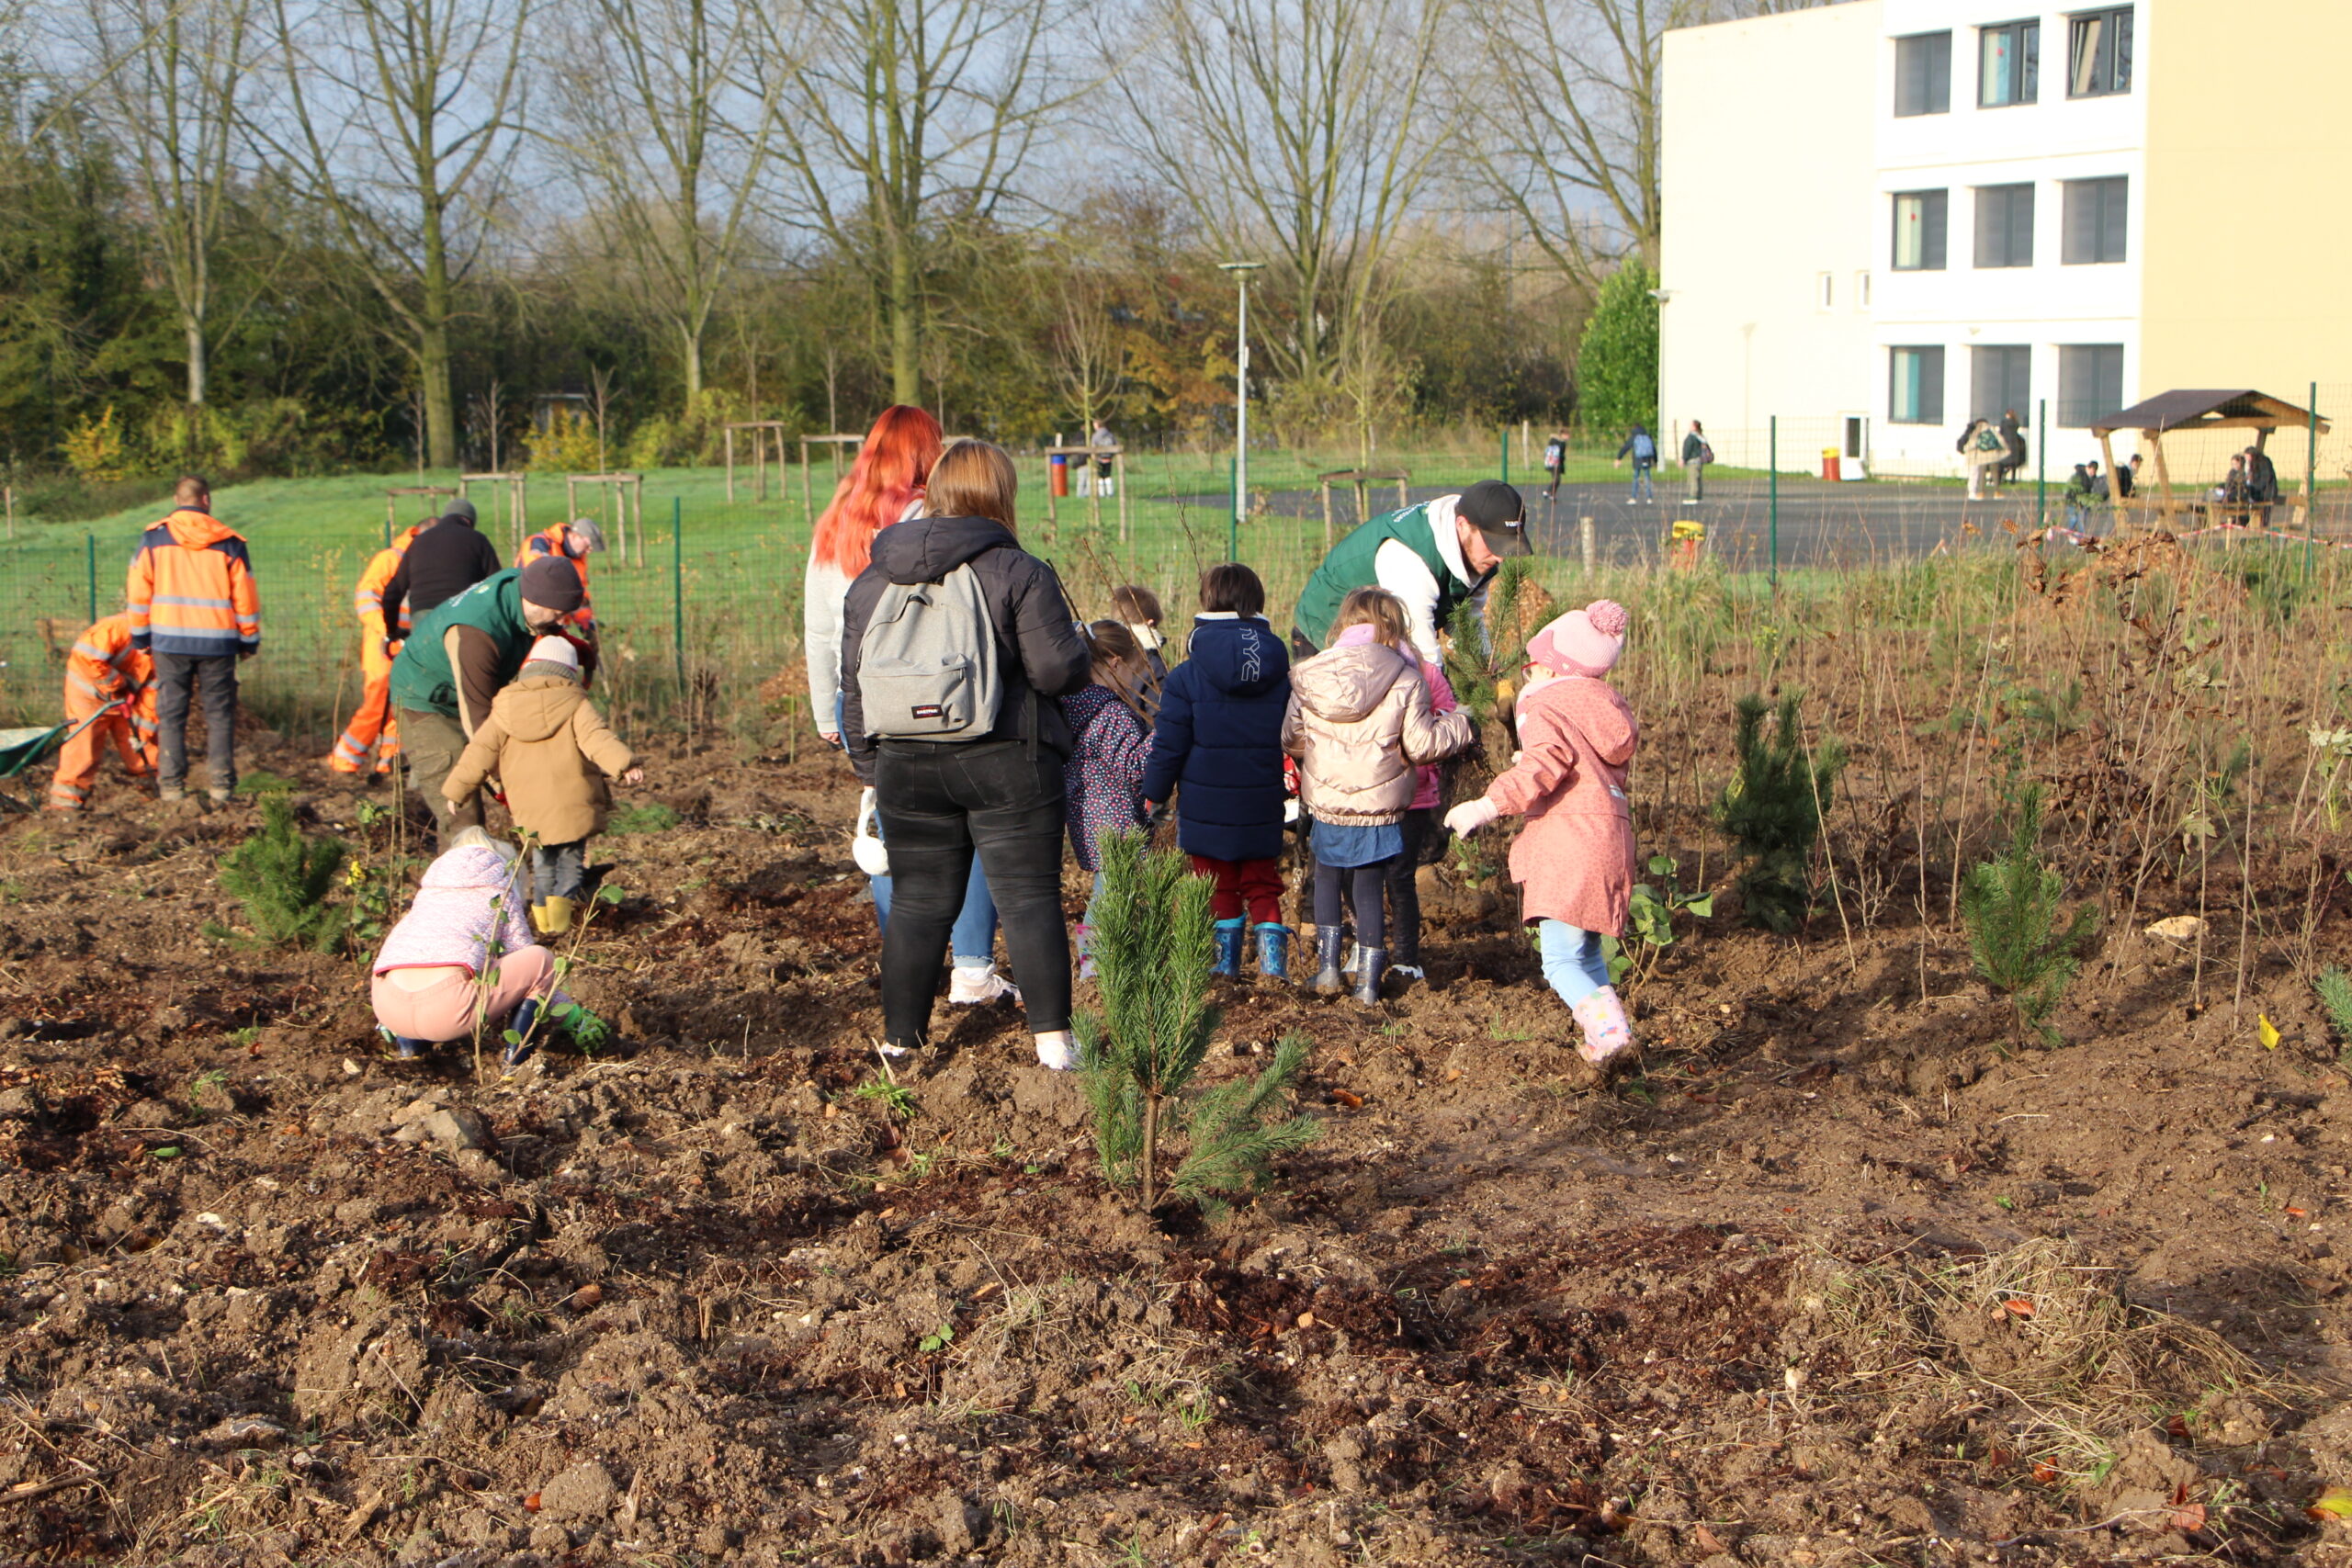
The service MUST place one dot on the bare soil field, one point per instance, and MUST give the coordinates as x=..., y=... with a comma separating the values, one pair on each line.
x=1840, y=1275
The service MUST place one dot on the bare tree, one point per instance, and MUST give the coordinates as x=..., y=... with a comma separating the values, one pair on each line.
x=668, y=136
x=904, y=125
x=1566, y=143
x=400, y=118
x=169, y=77
x=1306, y=129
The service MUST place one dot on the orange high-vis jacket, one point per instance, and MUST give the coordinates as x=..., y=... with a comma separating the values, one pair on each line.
x=367, y=604
x=191, y=589
x=550, y=542
x=104, y=665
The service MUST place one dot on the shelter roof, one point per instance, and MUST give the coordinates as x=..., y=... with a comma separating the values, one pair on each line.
x=2206, y=409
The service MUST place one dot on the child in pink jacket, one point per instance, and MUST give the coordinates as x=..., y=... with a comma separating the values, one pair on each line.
x=1575, y=858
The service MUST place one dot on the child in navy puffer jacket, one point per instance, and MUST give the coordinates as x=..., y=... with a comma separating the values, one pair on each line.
x=1218, y=746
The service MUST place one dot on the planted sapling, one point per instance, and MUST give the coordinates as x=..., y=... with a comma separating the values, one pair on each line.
x=2009, y=905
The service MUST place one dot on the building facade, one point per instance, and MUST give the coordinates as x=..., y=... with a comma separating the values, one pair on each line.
x=1884, y=218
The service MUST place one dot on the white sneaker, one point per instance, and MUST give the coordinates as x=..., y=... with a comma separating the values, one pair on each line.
x=1059, y=1052
x=971, y=984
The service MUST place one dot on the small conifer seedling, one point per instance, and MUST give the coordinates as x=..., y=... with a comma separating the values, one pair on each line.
x=1153, y=948
x=1774, y=808
x=2335, y=990
x=2009, y=905
x=283, y=877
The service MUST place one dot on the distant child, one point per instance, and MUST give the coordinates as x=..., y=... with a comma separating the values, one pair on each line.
x=1556, y=458
x=1575, y=858
x=1138, y=608
x=1104, y=779
x=1218, y=747
x=463, y=949
x=1360, y=721
x=1420, y=823
x=550, y=749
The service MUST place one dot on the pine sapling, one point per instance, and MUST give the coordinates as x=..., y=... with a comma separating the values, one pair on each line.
x=283, y=877
x=1154, y=945
x=2335, y=990
x=2009, y=905
x=1775, y=808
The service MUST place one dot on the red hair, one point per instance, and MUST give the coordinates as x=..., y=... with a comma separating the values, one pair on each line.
x=889, y=473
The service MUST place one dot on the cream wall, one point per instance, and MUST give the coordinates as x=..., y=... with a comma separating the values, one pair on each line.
x=2248, y=280
x=1767, y=167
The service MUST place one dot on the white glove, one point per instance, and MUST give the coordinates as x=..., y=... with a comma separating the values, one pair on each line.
x=865, y=847
x=1470, y=816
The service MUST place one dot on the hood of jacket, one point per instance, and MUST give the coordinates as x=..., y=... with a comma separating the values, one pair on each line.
x=536, y=706
x=1345, y=684
x=196, y=530
x=1240, y=656
x=925, y=549
x=473, y=866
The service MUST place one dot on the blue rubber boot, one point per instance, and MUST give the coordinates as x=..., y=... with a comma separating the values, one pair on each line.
x=405, y=1049
x=517, y=1051
x=1273, y=950
x=1230, y=936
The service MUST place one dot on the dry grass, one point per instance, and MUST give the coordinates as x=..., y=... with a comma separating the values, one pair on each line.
x=2043, y=1339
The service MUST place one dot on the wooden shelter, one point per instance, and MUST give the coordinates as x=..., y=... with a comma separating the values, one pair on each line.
x=1363, y=479
x=2200, y=409
x=762, y=432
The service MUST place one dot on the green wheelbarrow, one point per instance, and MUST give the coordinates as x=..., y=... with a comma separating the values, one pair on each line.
x=21, y=749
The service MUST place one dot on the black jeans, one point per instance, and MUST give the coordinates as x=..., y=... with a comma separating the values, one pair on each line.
x=1404, y=924
x=214, y=675
x=939, y=804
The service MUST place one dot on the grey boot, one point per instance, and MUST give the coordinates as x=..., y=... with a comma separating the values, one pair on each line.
x=1375, y=964
x=1328, y=981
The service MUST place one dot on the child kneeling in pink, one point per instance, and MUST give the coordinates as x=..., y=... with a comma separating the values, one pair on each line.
x=1575, y=858
x=426, y=984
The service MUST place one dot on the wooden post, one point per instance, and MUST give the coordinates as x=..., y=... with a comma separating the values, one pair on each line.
x=1327, y=516
x=1403, y=478
x=2163, y=474
x=731, y=463
x=2106, y=455
x=637, y=489
x=807, y=493
x=1589, y=543
x=1364, y=500
x=1119, y=476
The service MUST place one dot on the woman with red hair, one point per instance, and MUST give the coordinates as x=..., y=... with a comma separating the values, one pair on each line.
x=885, y=485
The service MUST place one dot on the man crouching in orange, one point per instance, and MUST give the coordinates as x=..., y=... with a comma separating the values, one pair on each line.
x=104, y=669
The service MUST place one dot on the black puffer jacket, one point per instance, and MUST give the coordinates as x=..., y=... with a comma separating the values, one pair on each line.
x=1038, y=648
x=441, y=563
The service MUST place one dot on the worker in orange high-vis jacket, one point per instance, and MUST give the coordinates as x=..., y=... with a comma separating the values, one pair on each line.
x=106, y=675
x=372, y=725
x=194, y=607
x=575, y=541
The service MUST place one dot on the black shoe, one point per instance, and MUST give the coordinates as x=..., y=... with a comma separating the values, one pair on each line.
x=1375, y=964
x=518, y=1049
x=1328, y=940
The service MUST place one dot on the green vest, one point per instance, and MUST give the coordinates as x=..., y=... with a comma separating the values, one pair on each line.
x=422, y=678
x=1350, y=566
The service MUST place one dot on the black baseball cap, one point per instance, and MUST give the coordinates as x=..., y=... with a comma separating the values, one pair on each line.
x=1496, y=511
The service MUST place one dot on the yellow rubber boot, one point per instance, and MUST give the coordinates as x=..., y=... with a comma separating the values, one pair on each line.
x=556, y=917
x=539, y=917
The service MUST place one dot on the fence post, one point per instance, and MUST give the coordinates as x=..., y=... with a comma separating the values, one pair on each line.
x=91, y=541
x=1772, y=474
x=678, y=587
x=1586, y=542
x=2311, y=478
x=2041, y=463
x=1506, y=454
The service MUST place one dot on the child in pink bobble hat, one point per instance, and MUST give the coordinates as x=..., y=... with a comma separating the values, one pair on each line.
x=1575, y=858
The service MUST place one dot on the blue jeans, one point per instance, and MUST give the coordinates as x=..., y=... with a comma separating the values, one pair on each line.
x=1642, y=488
x=1572, y=960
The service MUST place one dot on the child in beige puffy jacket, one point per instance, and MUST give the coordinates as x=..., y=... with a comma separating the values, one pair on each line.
x=1360, y=722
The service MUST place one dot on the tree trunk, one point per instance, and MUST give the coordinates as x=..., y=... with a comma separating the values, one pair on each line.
x=1150, y=1161
x=198, y=364
x=690, y=342
x=905, y=364
x=432, y=347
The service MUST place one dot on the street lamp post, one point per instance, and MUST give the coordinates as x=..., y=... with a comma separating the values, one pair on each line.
x=1241, y=271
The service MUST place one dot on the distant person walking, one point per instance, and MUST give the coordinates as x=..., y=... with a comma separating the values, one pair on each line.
x=1642, y=449
x=1696, y=456
x=1104, y=444
x=2013, y=442
x=1980, y=448
x=444, y=560
x=1556, y=458
x=194, y=607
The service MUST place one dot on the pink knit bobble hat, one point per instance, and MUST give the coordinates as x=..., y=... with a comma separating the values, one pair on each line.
x=1582, y=642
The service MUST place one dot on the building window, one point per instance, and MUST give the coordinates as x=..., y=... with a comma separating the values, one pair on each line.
x=1923, y=74
x=2090, y=382
x=1920, y=218
x=2005, y=225
x=1999, y=378
x=2099, y=52
x=2097, y=221
x=1861, y=291
x=2009, y=64
x=1916, y=396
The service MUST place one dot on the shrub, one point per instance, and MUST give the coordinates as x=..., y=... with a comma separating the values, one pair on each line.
x=1617, y=358
x=2335, y=998
x=1774, y=808
x=2009, y=905
x=1153, y=946
x=568, y=446
x=96, y=449
x=283, y=877
x=651, y=818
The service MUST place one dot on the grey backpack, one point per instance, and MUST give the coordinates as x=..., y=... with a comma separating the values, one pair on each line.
x=927, y=664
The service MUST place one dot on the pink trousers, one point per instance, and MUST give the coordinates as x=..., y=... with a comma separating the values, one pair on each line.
x=444, y=1008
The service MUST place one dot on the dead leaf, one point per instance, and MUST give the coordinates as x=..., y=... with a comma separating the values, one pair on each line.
x=1707, y=1540
x=2192, y=1518
x=1352, y=1101
x=1306, y=1320
x=1452, y=1074
x=2045, y=1473
x=2019, y=1305
x=531, y=1503
x=2334, y=1503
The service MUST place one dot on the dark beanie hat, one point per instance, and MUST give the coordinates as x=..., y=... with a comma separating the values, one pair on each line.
x=551, y=585
x=459, y=509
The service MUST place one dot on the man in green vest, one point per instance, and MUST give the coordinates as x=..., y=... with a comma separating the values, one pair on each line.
x=458, y=655
x=1433, y=557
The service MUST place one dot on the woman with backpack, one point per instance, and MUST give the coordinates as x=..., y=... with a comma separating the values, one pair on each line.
x=955, y=641
x=884, y=486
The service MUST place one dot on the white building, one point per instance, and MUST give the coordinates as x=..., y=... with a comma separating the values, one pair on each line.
x=1883, y=217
